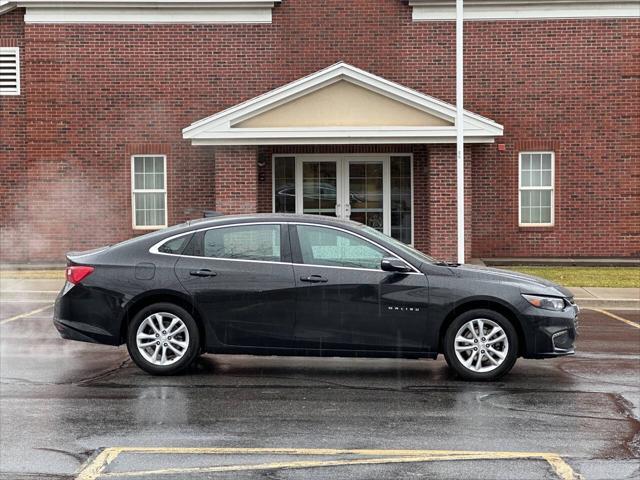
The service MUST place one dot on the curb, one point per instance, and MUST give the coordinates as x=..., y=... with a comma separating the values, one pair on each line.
x=609, y=303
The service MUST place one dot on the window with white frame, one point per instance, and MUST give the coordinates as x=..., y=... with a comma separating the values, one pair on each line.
x=9, y=71
x=536, y=188
x=149, y=191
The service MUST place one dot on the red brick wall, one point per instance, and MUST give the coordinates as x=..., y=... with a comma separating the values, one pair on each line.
x=441, y=203
x=90, y=91
x=236, y=177
x=13, y=174
x=573, y=87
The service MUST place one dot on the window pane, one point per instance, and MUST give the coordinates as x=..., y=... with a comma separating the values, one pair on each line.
x=546, y=178
x=325, y=246
x=545, y=198
x=525, y=215
x=535, y=161
x=159, y=165
x=535, y=178
x=546, y=161
x=251, y=242
x=148, y=173
x=150, y=209
x=319, y=188
x=401, y=198
x=284, y=185
x=545, y=216
x=526, y=178
x=526, y=161
x=139, y=181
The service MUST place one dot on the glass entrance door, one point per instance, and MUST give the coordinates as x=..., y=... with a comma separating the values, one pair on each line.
x=374, y=189
x=319, y=182
x=365, y=190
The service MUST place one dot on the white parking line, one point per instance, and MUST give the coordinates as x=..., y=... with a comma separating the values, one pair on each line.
x=25, y=315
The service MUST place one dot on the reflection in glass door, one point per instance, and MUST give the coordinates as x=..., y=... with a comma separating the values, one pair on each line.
x=365, y=203
x=319, y=183
x=375, y=190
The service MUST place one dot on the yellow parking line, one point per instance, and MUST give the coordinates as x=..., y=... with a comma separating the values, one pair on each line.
x=96, y=468
x=613, y=315
x=25, y=315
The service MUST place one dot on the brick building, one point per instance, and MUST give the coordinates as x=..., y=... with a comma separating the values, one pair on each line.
x=118, y=117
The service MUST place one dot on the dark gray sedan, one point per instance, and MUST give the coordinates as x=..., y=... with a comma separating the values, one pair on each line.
x=305, y=285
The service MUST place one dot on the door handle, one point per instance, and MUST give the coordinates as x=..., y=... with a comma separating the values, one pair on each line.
x=203, y=272
x=314, y=279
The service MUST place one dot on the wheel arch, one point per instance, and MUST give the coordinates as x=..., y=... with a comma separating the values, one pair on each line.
x=486, y=304
x=161, y=296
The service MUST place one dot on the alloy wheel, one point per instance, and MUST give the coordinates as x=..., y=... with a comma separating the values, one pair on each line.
x=481, y=345
x=162, y=338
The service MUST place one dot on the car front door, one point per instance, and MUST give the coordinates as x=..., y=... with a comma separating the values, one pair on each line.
x=242, y=281
x=344, y=301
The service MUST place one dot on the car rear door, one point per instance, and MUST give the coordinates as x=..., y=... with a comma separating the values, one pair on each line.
x=344, y=301
x=241, y=279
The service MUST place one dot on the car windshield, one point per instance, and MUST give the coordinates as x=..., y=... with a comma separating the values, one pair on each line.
x=401, y=246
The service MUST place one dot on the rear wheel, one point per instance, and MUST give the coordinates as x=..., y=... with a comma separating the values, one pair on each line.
x=481, y=345
x=163, y=339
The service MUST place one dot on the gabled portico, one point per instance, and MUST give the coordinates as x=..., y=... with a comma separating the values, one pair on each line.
x=346, y=143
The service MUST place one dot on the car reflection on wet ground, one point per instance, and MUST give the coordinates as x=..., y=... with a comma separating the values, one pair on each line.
x=72, y=410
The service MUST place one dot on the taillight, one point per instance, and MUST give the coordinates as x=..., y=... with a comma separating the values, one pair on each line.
x=77, y=273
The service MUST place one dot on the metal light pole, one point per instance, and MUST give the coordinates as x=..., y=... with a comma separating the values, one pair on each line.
x=460, y=127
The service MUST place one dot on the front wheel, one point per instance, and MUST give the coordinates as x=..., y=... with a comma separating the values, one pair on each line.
x=163, y=339
x=481, y=345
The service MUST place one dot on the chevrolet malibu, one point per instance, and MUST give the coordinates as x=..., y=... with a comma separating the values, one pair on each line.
x=305, y=285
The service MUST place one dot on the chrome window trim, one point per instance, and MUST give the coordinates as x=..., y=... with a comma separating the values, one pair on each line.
x=154, y=249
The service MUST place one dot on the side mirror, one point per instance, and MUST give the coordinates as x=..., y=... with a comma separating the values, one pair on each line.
x=392, y=264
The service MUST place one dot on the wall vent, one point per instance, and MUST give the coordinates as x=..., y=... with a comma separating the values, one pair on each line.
x=9, y=71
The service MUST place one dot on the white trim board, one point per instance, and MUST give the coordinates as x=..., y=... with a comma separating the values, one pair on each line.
x=144, y=11
x=218, y=129
x=435, y=10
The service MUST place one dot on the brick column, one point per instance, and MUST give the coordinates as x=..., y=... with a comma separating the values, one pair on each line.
x=442, y=201
x=236, y=179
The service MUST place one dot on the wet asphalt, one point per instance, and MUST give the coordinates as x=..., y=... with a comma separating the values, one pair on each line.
x=64, y=402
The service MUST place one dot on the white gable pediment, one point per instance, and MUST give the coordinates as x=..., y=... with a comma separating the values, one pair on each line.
x=340, y=104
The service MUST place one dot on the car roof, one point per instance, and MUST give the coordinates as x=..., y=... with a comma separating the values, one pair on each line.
x=271, y=217
x=203, y=223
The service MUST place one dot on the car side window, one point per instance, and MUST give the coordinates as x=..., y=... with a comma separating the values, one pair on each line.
x=175, y=246
x=244, y=242
x=326, y=246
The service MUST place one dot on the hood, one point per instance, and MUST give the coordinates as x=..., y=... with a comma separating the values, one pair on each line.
x=527, y=283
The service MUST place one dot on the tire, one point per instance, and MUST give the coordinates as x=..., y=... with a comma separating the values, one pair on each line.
x=180, y=349
x=504, y=352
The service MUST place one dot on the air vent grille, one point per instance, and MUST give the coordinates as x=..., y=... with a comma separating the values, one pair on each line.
x=9, y=71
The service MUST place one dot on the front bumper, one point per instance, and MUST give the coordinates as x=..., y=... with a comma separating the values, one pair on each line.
x=553, y=334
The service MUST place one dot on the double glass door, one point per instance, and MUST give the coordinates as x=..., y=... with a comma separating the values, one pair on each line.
x=374, y=189
x=349, y=188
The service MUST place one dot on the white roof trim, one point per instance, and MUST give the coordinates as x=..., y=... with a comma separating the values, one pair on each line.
x=218, y=129
x=6, y=6
x=143, y=11
x=430, y=10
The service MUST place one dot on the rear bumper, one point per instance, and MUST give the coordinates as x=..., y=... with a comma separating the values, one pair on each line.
x=553, y=333
x=87, y=315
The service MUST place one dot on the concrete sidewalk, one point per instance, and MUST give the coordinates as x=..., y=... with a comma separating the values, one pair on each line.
x=586, y=297
x=610, y=298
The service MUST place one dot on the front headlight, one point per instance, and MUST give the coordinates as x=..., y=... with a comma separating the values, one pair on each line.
x=546, y=303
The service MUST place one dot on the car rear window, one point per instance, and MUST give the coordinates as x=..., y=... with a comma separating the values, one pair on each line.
x=175, y=246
